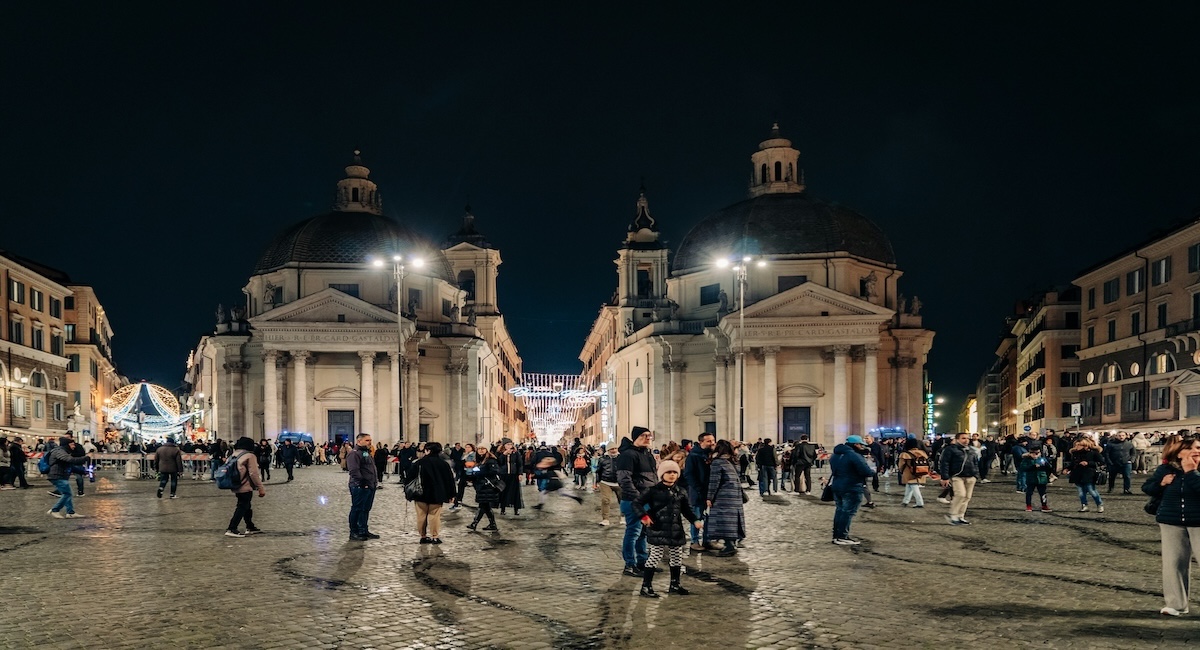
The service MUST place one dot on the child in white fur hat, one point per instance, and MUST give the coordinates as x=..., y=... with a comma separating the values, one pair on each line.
x=665, y=505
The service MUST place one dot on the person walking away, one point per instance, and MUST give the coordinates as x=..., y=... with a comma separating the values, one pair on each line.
x=849, y=472
x=958, y=470
x=696, y=472
x=804, y=456
x=437, y=488
x=868, y=454
x=287, y=455
x=1085, y=463
x=1176, y=483
x=726, y=517
x=247, y=463
x=487, y=489
x=5, y=484
x=264, y=453
x=766, y=461
x=61, y=461
x=987, y=453
x=636, y=472
x=606, y=473
x=1119, y=454
x=169, y=460
x=364, y=480
x=1017, y=450
x=511, y=462
x=914, y=471
x=1037, y=470
x=1141, y=444
x=381, y=462
x=664, y=506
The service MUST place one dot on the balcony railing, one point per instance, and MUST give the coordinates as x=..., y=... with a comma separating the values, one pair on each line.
x=1183, y=327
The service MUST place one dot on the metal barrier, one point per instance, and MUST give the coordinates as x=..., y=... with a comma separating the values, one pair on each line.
x=195, y=466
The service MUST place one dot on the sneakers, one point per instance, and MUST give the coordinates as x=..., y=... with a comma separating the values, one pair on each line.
x=234, y=533
x=954, y=522
x=1046, y=509
x=1100, y=509
x=920, y=506
x=604, y=522
x=1028, y=508
x=56, y=514
x=174, y=497
x=253, y=531
x=358, y=538
x=631, y=571
x=370, y=535
x=491, y=528
x=676, y=588
x=846, y=541
x=943, y=500
x=1171, y=611
x=54, y=493
x=435, y=540
x=426, y=540
x=160, y=493
x=984, y=481
x=1083, y=509
x=74, y=515
x=455, y=507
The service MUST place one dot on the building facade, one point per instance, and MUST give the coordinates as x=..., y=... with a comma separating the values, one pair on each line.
x=1047, y=372
x=1140, y=337
x=92, y=375
x=780, y=316
x=354, y=323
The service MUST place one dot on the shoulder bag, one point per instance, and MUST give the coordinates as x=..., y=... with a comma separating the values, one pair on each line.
x=414, y=489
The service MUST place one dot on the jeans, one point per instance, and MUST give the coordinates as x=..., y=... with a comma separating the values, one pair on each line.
x=243, y=511
x=912, y=492
x=1020, y=480
x=361, y=500
x=1126, y=470
x=766, y=480
x=162, y=481
x=1085, y=490
x=697, y=538
x=846, y=506
x=64, y=488
x=633, y=546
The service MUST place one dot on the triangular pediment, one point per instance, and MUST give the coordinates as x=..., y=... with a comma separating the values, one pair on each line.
x=325, y=306
x=707, y=410
x=1186, y=377
x=813, y=300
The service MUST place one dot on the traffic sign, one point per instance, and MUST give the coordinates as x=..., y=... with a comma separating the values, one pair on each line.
x=1076, y=410
x=1028, y=428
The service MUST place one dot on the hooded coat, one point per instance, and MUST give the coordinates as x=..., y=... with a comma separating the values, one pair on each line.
x=636, y=469
x=168, y=459
x=666, y=507
x=850, y=469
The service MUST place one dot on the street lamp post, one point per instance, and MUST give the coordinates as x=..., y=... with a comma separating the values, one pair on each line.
x=739, y=271
x=398, y=273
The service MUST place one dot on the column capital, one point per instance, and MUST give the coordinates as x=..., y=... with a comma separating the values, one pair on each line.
x=721, y=360
x=237, y=366
x=770, y=350
x=366, y=356
x=270, y=355
x=857, y=353
x=457, y=366
x=903, y=362
x=395, y=355
x=871, y=349
x=300, y=356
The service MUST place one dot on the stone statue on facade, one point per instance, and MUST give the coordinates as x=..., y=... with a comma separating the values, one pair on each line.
x=470, y=312
x=269, y=294
x=412, y=307
x=674, y=309
x=902, y=304
x=628, y=327
x=238, y=314
x=454, y=313
x=916, y=306
x=724, y=300
x=221, y=317
x=869, y=285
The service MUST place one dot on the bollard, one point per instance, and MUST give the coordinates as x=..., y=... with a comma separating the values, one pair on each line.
x=133, y=470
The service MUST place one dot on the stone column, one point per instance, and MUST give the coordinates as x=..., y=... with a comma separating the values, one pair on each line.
x=739, y=412
x=236, y=370
x=412, y=401
x=722, y=406
x=300, y=391
x=841, y=395
x=770, y=394
x=366, y=396
x=270, y=394
x=396, y=362
x=870, y=416
x=677, y=392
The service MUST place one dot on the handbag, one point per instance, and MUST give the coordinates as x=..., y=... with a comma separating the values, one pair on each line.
x=745, y=497
x=827, y=491
x=1152, y=505
x=495, y=483
x=414, y=489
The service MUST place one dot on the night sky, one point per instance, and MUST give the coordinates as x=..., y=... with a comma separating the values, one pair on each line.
x=154, y=151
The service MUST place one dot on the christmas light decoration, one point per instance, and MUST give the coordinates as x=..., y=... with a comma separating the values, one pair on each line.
x=553, y=402
x=146, y=410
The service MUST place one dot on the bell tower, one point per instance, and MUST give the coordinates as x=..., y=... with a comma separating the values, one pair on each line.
x=642, y=262
x=776, y=167
x=475, y=262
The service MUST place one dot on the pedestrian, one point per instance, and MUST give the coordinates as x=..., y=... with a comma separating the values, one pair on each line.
x=1176, y=484
x=1037, y=469
x=663, y=507
x=636, y=472
x=849, y=472
x=606, y=473
x=169, y=461
x=265, y=452
x=381, y=462
x=867, y=450
x=914, y=470
x=697, y=471
x=804, y=456
x=247, y=464
x=488, y=487
x=287, y=456
x=1119, y=454
x=364, y=480
x=582, y=466
x=5, y=483
x=1086, y=462
x=511, y=462
x=726, y=517
x=464, y=460
x=437, y=488
x=61, y=461
x=16, y=463
x=766, y=461
x=958, y=470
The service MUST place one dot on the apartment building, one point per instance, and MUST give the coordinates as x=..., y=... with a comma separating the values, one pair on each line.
x=1047, y=373
x=91, y=374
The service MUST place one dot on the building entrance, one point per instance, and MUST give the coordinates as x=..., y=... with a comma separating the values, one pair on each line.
x=341, y=426
x=797, y=421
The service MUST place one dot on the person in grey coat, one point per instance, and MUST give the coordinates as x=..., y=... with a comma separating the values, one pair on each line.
x=169, y=461
x=726, y=518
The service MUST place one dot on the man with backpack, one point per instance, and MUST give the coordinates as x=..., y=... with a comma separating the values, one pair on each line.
x=803, y=457
x=241, y=475
x=59, y=473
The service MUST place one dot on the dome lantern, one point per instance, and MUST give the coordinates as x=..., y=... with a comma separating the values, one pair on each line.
x=356, y=193
x=776, y=167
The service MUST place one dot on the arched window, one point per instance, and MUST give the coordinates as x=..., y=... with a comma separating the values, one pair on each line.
x=466, y=282
x=637, y=386
x=778, y=170
x=37, y=379
x=790, y=175
x=1162, y=363
x=1112, y=372
x=763, y=175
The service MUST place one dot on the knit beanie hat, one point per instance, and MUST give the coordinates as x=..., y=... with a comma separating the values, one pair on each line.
x=667, y=466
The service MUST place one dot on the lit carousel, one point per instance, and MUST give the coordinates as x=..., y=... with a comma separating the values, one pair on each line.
x=147, y=411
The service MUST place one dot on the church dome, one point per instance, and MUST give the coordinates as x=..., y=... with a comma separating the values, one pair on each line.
x=350, y=238
x=790, y=223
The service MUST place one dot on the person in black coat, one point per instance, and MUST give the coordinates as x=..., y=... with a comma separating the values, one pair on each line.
x=511, y=463
x=437, y=487
x=1084, y=467
x=287, y=456
x=487, y=488
x=662, y=509
x=1176, y=484
x=381, y=460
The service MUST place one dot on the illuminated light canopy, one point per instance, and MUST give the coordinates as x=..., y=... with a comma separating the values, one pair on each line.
x=148, y=410
x=553, y=402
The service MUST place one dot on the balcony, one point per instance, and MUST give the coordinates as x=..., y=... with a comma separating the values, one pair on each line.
x=1183, y=327
x=1039, y=362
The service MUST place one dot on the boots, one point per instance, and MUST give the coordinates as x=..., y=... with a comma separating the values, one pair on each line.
x=675, y=588
x=647, y=589
x=491, y=523
x=475, y=522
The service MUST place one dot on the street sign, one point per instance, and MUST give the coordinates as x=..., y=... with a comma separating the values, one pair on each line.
x=1076, y=410
x=1028, y=428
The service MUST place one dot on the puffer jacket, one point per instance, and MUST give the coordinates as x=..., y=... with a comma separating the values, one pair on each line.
x=61, y=461
x=1085, y=474
x=956, y=461
x=1180, y=500
x=484, y=480
x=696, y=472
x=168, y=458
x=666, y=507
x=850, y=469
x=636, y=470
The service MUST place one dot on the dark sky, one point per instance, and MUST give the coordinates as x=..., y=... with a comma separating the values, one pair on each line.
x=153, y=151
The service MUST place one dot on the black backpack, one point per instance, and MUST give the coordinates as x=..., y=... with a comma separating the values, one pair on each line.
x=229, y=475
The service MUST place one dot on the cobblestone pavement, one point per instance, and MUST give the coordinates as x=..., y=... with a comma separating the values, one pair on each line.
x=140, y=572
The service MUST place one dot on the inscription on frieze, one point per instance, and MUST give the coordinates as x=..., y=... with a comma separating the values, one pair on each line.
x=282, y=337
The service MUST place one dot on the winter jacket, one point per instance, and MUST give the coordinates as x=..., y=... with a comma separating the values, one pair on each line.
x=1118, y=453
x=364, y=473
x=1036, y=470
x=168, y=459
x=1085, y=474
x=485, y=483
x=61, y=461
x=287, y=454
x=804, y=455
x=636, y=470
x=666, y=507
x=513, y=463
x=437, y=481
x=696, y=471
x=907, y=475
x=1180, y=500
x=850, y=469
x=765, y=456
x=606, y=471
x=957, y=461
x=726, y=517
x=248, y=466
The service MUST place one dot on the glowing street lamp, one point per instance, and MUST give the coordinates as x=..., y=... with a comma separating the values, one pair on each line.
x=740, y=270
x=399, y=268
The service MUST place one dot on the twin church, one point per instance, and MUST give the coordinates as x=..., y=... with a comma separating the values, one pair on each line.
x=777, y=316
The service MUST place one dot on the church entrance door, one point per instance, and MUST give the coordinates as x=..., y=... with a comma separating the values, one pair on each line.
x=341, y=426
x=797, y=421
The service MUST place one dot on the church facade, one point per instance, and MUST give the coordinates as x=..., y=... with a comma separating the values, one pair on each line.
x=353, y=323
x=778, y=316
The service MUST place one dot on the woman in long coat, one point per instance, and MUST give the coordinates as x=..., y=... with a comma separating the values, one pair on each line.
x=486, y=494
x=511, y=464
x=437, y=488
x=726, y=519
